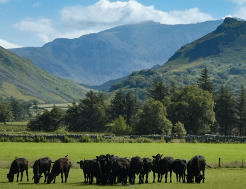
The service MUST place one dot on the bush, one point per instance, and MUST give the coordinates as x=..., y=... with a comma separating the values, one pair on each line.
x=85, y=138
x=40, y=139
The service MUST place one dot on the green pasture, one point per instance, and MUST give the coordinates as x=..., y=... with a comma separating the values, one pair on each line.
x=215, y=178
x=229, y=153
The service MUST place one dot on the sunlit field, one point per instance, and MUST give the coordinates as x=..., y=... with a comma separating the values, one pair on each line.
x=215, y=178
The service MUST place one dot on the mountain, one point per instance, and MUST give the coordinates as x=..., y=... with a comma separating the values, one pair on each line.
x=97, y=58
x=22, y=79
x=222, y=51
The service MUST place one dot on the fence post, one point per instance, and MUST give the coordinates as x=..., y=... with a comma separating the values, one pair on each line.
x=219, y=162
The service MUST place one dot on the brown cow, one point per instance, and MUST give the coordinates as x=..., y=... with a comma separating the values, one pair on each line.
x=61, y=165
x=18, y=165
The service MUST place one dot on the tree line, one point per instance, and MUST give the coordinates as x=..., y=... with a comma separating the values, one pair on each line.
x=192, y=109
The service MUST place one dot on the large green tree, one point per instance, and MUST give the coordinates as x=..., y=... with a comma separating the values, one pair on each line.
x=225, y=111
x=158, y=91
x=151, y=119
x=92, y=114
x=18, y=110
x=204, y=82
x=241, y=111
x=5, y=112
x=194, y=108
x=71, y=117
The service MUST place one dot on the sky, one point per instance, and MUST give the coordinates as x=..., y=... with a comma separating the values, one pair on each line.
x=32, y=23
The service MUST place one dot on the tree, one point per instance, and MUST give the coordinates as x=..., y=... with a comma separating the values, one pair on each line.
x=241, y=112
x=119, y=126
x=18, y=110
x=92, y=114
x=131, y=107
x=179, y=130
x=71, y=117
x=194, y=108
x=204, y=82
x=151, y=119
x=225, y=111
x=5, y=113
x=158, y=91
x=117, y=106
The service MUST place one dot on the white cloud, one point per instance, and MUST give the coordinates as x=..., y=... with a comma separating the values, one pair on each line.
x=81, y=20
x=42, y=27
x=8, y=45
x=240, y=10
x=106, y=13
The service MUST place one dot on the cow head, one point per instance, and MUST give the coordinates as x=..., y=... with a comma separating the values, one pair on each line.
x=36, y=178
x=190, y=178
x=10, y=177
x=157, y=158
x=81, y=164
x=198, y=178
x=50, y=178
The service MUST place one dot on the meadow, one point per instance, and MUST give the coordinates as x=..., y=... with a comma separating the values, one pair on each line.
x=231, y=155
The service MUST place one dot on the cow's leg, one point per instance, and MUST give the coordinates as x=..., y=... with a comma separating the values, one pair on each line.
x=171, y=176
x=177, y=177
x=147, y=176
x=153, y=177
x=166, y=177
x=62, y=177
x=54, y=179
x=90, y=178
x=17, y=176
x=66, y=176
x=203, y=175
x=27, y=174
x=21, y=176
x=183, y=177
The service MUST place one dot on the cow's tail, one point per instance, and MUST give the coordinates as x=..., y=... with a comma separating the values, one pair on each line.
x=208, y=166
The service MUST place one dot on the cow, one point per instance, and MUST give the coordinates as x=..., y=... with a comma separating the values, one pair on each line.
x=18, y=165
x=162, y=166
x=91, y=168
x=84, y=166
x=40, y=166
x=147, y=167
x=106, y=167
x=194, y=168
x=120, y=169
x=179, y=167
x=136, y=167
x=61, y=165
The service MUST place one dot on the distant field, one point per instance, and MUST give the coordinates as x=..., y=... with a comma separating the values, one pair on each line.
x=230, y=154
x=13, y=126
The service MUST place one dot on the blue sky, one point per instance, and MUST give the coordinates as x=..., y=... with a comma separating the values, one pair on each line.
x=32, y=23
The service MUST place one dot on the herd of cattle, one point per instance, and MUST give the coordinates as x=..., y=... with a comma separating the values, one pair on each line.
x=110, y=169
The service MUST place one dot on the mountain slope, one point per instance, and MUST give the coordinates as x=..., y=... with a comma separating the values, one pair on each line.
x=222, y=51
x=22, y=79
x=97, y=58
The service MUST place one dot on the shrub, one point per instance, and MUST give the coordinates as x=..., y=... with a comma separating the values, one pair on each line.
x=85, y=138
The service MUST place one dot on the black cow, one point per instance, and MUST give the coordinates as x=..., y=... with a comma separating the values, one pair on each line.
x=179, y=167
x=40, y=166
x=147, y=167
x=84, y=166
x=136, y=167
x=162, y=166
x=18, y=165
x=120, y=170
x=106, y=167
x=91, y=168
x=61, y=165
x=194, y=168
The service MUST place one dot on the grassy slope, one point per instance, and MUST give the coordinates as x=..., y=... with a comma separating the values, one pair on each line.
x=22, y=79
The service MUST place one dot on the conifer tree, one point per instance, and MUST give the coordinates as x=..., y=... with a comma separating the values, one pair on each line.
x=204, y=82
x=158, y=91
x=241, y=112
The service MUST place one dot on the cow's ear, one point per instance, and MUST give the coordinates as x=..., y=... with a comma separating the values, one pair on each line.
x=78, y=162
x=112, y=155
x=154, y=156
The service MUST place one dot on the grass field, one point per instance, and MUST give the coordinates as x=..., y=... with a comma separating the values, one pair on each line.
x=215, y=178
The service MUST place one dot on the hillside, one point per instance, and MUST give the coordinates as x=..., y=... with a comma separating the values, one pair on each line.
x=97, y=58
x=22, y=79
x=222, y=51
